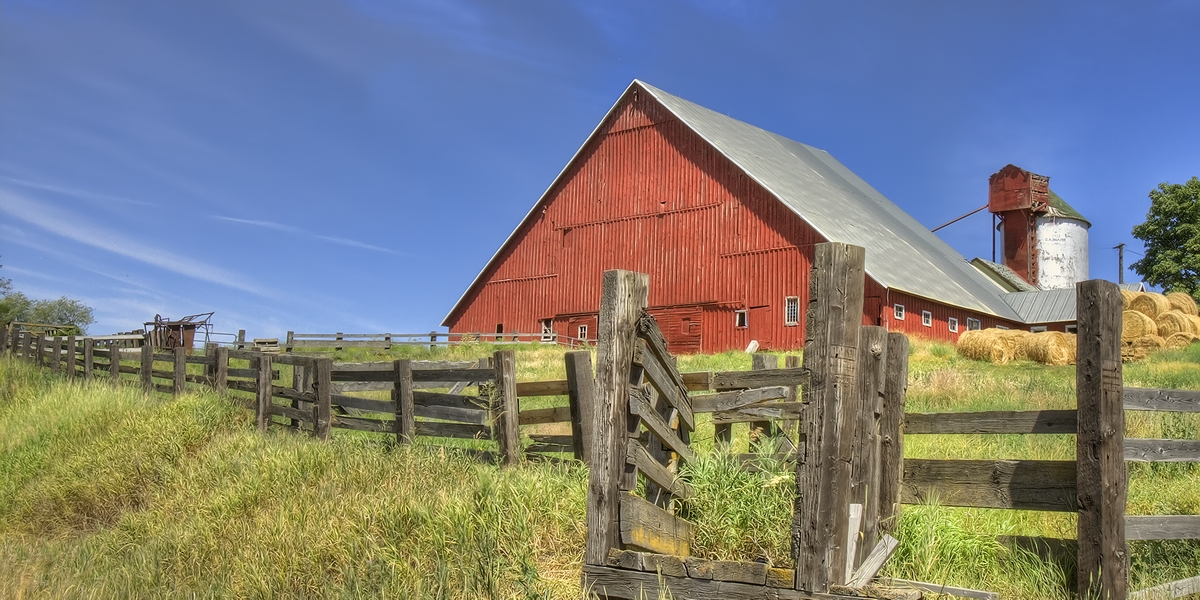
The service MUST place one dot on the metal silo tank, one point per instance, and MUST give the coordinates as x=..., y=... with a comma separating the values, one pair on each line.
x=1062, y=244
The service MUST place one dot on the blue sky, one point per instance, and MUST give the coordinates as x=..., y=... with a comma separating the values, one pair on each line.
x=351, y=166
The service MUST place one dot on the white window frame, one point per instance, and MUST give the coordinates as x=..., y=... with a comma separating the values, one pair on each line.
x=1002, y=327
x=898, y=312
x=974, y=324
x=741, y=319
x=583, y=332
x=547, y=330
x=1037, y=328
x=952, y=323
x=927, y=318
x=1072, y=328
x=791, y=311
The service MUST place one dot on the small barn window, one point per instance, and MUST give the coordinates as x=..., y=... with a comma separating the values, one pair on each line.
x=1001, y=327
x=1072, y=328
x=583, y=332
x=973, y=324
x=952, y=322
x=791, y=310
x=1037, y=328
x=499, y=330
x=547, y=330
x=739, y=319
x=927, y=318
x=898, y=312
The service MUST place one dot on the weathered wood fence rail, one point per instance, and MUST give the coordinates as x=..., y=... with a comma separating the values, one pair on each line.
x=316, y=342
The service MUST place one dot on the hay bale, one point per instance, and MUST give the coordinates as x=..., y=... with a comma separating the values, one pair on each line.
x=1011, y=338
x=1139, y=348
x=1182, y=302
x=1127, y=296
x=1135, y=324
x=1195, y=321
x=1150, y=304
x=984, y=344
x=1172, y=322
x=1049, y=347
x=1180, y=340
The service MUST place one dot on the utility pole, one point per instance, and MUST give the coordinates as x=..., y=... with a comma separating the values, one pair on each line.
x=1120, y=248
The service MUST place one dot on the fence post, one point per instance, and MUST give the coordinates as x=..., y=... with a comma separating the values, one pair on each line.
x=148, y=368
x=221, y=370
x=623, y=295
x=114, y=363
x=322, y=409
x=26, y=340
x=338, y=338
x=5, y=335
x=56, y=360
x=433, y=340
x=761, y=362
x=71, y=363
x=832, y=332
x=39, y=351
x=266, y=389
x=891, y=432
x=179, y=375
x=864, y=465
x=581, y=393
x=287, y=345
x=1099, y=444
x=506, y=415
x=402, y=393
x=89, y=358
x=241, y=339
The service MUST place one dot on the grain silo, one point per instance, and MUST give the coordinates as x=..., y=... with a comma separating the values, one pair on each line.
x=1043, y=239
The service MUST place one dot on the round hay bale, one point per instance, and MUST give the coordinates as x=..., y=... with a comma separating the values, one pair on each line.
x=1179, y=340
x=1195, y=321
x=1149, y=343
x=1012, y=338
x=1182, y=302
x=984, y=344
x=1172, y=322
x=1135, y=324
x=1127, y=296
x=1049, y=347
x=1150, y=304
x=1073, y=344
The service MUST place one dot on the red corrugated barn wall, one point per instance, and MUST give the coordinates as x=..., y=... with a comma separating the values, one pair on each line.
x=647, y=194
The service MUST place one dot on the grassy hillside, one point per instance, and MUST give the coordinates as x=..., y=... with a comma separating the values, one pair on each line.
x=106, y=493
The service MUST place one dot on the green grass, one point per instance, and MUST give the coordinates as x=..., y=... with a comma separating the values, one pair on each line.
x=108, y=493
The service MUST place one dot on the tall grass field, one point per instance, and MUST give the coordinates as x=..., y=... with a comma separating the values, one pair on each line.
x=108, y=493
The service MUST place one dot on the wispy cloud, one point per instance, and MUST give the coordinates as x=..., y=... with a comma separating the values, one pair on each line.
x=298, y=231
x=77, y=193
x=73, y=228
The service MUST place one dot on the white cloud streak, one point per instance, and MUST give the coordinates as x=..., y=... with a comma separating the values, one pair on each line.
x=72, y=192
x=297, y=231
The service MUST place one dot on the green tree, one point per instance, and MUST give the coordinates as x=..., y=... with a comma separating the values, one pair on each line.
x=16, y=306
x=1172, y=237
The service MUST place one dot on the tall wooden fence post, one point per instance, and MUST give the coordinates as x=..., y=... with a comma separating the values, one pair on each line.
x=507, y=411
x=114, y=363
x=26, y=340
x=623, y=295
x=179, y=372
x=323, y=380
x=266, y=389
x=402, y=393
x=56, y=358
x=5, y=335
x=891, y=431
x=760, y=362
x=221, y=370
x=89, y=358
x=147, y=372
x=71, y=364
x=1099, y=443
x=864, y=466
x=833, y=329
x=39, y=351
x=581, y=394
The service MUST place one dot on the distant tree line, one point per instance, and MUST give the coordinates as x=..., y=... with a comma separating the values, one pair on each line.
x=1172, y=237
x=16, y=306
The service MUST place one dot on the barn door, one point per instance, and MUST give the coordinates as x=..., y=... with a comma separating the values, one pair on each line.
x=872, y=305
x=761, y=326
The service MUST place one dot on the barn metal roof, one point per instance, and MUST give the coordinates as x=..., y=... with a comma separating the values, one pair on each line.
x=901, y=253
x=1046, y=306
x=1006, y=277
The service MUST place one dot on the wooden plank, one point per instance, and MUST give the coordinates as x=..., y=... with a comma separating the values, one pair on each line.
x=114, y=366
x=1162, y=527
x=472, y=375
x=1099, y=446
x=294, y=414
x=613, y=582
x=740, y=380
x=56, y=354
x=359, y=424
x=725, y=401
x=699, y=381
x=864, y=443
x=754, y=414
x=663, y=376
x=639, y=406
x=71, y=365
x=89, y=358
x=557, y=387
x=447, y=400
x=637, y=455
x=249, y=373
x=891, y=437
x=1165, y=400
x=147, y=368
x=873, y=562
x=998, y=421
x=833, y=327
x=452, y=430
x=179, y=379
x=556, y=440
x=554, y=414
x=937, y=588
x=458, y=415
x=1143, y=450
x=506, y=412
x=1175, y=589
x=403, y=396
x=581, y=400
x=538, y=447
x=200, y=359
x=322, y=408
x=623, y=295
x=368, y=404
x=221, y=370
x=762, y=362
x=265, y=391
x=645, y=526
x=1018, y=484
x=852, y=529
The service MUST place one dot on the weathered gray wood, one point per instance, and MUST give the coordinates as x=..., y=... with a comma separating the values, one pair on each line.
x=147, y=367
x=741, y=380
x=554, y=414
x=1165, y=400
x=114, y=365
x=864, y=466
x=733, y=400
x=251, y=373
x=1142, y=450
x=754, y=414
x=1023, y=421
x=891, y=438
x=448, y=400
x=367, y=404
x=70, y=363
x=452, y=430
x=361, y=424
x=1018, y=484
x=1099, y=444
x=221, y=369
x=459, y=415
x=762, y=362
x=5, y=338
x=637, y=455
x=833, y=328
x=506, y=411
x=294, y=414
x=57, y=356
x=645, y=526
x=612, y=582
x=698, y=381
x=938, y=588
x=852, y=529
x=1168, y=591
x=265, y=391
x=1162, y=527
x=402, y=395
x=663, y=376
x=472, y=375
x=556, y=440
x=639, y=406
x=179, y=379
x=322, y=408
x=89, y=358
x=623, y=296
x=556, y=387
x=873, y=562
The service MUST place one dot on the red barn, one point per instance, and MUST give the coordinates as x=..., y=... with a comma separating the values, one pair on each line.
x=723, y=216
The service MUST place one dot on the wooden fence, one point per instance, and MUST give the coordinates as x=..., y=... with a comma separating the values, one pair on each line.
x=317, y=342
